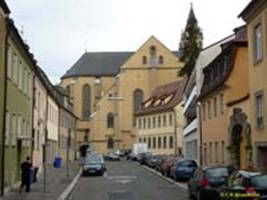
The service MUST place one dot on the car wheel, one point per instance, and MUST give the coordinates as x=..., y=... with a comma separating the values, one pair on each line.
x=190, y=195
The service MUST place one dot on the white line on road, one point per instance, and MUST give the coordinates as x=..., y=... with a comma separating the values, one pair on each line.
x=165, y=178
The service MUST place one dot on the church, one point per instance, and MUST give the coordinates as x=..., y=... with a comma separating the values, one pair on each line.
x=107, y=88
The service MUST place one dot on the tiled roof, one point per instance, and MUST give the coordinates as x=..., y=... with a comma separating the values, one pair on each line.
x=100, y=64
x=163, y=98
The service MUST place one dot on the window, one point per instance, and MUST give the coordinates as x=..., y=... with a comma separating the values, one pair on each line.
x=215, y=106
x=159, y=142
x=20, y=75
x=7, y=134
x=144, y=140
x=25, y=84
x=140, y=140
x=149, y=143
x=209, y=110
x=204, y=111
x=139, y=123
x=144, y=61
x=170, y=120
x=14, y=68
x=164, y=142
x=164, y=120
x=258, y=43
x=161, y=60
x=14, y=129
x=86, y=102
x=10, y=62
x=211, y=154
x=154, y=122
x=154, y=142
x=19, y=129
x=171, y=142
x=138, y=99
x=110, y=143
x=159, y=121
x=205, y=154
x=68, y=91
x=259, y=110
x=216, y=152
x=222, y=152
x=149, y=123
x=153, y=56
x=221, y=103
x=144, y=123
x=110, y=120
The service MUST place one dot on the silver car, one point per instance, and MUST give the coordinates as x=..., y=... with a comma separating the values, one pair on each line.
x=94, y=164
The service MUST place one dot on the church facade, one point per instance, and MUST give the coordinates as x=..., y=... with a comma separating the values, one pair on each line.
x=107, y=88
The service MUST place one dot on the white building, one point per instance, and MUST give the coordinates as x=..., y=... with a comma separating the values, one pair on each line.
x=192, y=128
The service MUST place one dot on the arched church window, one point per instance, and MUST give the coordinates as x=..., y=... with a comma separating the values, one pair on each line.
x=144, y=60
x=86, y=102
x=110, y=120
x=138, y=99
x=153, y=56
x=68, y=91
x=161, y=60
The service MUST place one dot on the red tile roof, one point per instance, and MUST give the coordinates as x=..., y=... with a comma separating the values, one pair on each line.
x=163, y=98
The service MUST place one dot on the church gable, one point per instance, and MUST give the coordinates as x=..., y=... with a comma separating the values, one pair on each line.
x=153, y=54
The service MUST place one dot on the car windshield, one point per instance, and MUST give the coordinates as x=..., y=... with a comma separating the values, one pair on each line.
x=217, y=172
x=259, y=181
x=93, y=160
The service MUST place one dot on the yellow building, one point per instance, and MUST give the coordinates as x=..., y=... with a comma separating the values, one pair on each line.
x=255, y=15
x=160, y=119
x=110, y=86
x=224, y=98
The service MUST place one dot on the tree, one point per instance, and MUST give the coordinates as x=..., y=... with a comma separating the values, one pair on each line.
x=190, y=44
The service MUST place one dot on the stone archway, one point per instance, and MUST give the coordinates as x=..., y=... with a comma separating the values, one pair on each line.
x=239, y=130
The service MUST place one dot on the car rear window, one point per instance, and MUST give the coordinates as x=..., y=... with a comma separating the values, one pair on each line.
x=93, y=159
x=187, y=163
x=259, y=181
x=217, y=172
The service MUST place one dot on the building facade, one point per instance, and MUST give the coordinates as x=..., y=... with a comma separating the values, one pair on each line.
x=159, y=122
x=192, y=126
x=224, y=104
x=255, y=15
x=4, y=13
x=117, y=83
x=18, y=131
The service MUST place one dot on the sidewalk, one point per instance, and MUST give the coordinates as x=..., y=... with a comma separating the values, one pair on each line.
x=57, y=181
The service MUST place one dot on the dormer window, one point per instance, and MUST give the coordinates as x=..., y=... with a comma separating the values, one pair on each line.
x=144, y=60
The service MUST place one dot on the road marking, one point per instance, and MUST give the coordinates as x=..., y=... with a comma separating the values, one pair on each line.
x=183, y=186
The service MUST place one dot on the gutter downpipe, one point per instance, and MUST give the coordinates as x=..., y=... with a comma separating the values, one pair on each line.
x=200, y=133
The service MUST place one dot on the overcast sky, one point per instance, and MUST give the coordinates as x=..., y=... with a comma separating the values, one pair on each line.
x=59, y=31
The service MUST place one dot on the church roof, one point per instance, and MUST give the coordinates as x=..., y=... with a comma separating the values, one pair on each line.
x=100, y=64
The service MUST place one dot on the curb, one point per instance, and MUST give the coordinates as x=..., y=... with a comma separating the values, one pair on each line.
x=164, y=177
x=71, y=186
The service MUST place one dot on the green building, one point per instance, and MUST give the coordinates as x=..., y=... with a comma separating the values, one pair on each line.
x=19, y=101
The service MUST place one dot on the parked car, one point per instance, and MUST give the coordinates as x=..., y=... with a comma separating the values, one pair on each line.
x=131, y=156
x=112, y=157
x=250, y=185
x=94, y=164
x=159, y=162
x=152, y=161
x=143, y=157
x=167, y=164
x=183, y=169
x=207, y=182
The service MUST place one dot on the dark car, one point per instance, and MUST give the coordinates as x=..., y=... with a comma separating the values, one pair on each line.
x=142, y=158
x=112, y=157
x=183, y=169
x=159, y=162
x=93, y=164
x=167, y=164
x=152, y=161
x=207, y=182
x=249, y=185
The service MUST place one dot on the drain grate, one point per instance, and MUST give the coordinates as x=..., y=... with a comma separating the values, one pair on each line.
x=120, y=196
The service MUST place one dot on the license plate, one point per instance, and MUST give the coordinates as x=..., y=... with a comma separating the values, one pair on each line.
x=92, y=171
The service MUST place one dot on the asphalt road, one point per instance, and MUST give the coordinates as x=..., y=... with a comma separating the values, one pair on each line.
x=126, y=181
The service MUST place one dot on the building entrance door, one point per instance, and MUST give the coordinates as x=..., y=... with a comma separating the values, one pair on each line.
x=236, y=142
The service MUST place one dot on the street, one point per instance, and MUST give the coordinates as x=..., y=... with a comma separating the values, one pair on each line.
x=126, y=181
